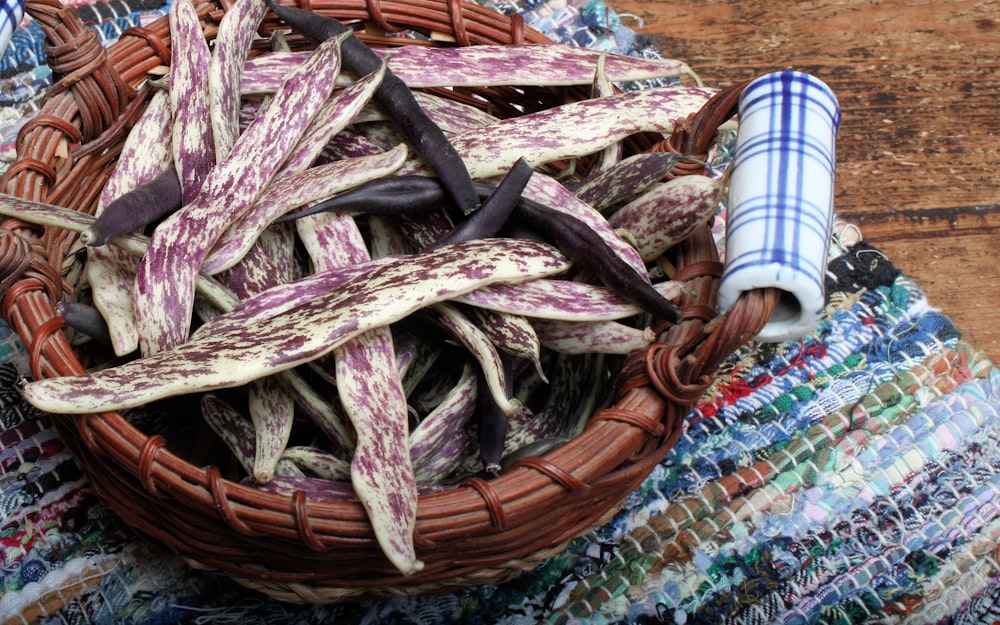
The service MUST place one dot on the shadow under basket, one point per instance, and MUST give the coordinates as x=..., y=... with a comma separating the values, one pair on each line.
x=289, y=546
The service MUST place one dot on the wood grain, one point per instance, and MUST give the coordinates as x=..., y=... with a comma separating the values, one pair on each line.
x=917, y=152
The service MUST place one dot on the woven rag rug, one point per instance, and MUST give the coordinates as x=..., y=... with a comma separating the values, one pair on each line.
x=849, y=477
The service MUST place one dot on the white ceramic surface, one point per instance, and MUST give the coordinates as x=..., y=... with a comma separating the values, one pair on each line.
x=11, y=12
x=780, y=211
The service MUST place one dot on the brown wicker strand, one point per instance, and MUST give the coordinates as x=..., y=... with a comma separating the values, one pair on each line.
x=693, y=136
x=374, y=8
x=15, y=253
x=300, y=511
x=147, y=457
x=458, y=23
x=494, y=505
x=77, y=58
x=653, y=427
x=160, y=49
x=556, y=473
x=65, y=126
x=46, y=171
x=43, y=334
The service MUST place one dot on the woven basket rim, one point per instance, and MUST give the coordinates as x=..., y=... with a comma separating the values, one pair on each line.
x=108, y=445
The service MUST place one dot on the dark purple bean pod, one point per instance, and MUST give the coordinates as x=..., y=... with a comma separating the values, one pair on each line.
x=576, y=239
x=583, y=246
x=86, y=320
x=136, y=209
x=492, y=421
x=495, y=210
x=391, y=195
x=398, y=102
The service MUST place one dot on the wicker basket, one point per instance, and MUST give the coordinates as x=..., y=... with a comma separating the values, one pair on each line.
x=290, y=547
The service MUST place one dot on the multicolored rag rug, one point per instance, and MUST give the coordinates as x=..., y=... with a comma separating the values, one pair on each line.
x=849, y=477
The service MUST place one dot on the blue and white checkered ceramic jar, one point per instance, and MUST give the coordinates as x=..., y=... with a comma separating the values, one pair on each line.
x=11, y=13
x=780, y=211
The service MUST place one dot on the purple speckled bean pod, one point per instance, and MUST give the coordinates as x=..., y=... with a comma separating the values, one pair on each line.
x=145, y=151
x=191, y=135
x=513, y=334
x=481, y=348
x=603, y=87
x=380, y=133
x=264, y=73
x=348, y=143
x=286, y=297
x=448, y=460
x=110, y=270
x=165, y=278
x=284, y=468
x=272, y=411
x=225, y=69
x=371, y=392
x=525, y=64
x=336, y=114
x=257, y=271
x=667, y=213
x=452, y=116
x=631, y=176
x=483, y=65
x=308, y=187
x=561, y=299
x=318, y=462
x=271, y=407
x=572, y=130
x=315, y=488
x=381, y=472
x=581, y=337
x=372, y=299
x=575, y=390
x=232, y=427
x=436, y=434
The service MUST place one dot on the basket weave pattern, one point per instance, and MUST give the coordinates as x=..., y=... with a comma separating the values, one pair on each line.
x=291, y=547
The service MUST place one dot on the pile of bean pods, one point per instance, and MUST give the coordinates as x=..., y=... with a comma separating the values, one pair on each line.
x=375, y=290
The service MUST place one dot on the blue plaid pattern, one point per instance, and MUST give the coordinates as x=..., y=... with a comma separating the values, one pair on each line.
x=11, y=12
x=780, y=210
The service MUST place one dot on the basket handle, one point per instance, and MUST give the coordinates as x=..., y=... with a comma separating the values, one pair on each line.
x=681, y=364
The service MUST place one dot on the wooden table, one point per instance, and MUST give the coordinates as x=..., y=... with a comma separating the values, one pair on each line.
x=919, y=146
